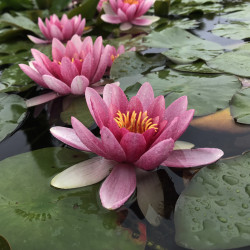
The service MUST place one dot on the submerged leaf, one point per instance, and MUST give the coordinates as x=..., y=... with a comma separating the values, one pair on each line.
x=213, y=211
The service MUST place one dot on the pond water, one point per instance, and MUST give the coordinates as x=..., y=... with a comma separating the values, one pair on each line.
x=128, y=223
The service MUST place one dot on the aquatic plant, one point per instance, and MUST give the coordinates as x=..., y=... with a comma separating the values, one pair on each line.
x=128, y=13
x=139, y=133
x=62, y=29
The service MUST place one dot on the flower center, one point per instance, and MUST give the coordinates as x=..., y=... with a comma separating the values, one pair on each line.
x=131, y=1
x=113, y=57
x=134, y=123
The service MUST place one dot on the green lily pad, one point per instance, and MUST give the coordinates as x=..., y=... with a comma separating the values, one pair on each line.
x=195, y=67
x=183, y=47
x=20, y=22
x=242, y=13
x=236, y=62
x=35, y=214
x=213, y=211
x=186, y=9
x=234, y=30
x=21, y=57
x=76, y=106
x=240, y=106
x=15, y=47
x=8, y=34
x=132, y=63
x=12, y=112
x=13, y=79
x=199, y=88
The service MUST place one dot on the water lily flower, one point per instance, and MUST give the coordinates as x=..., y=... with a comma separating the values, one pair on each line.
x=139, y=133
x=128, y=13
x=62, y=29
x=73, y=68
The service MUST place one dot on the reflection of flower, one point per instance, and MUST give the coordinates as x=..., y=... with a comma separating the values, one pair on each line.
x=62, y=29
x=139, y=133
x=128, y=12
x=73, y=68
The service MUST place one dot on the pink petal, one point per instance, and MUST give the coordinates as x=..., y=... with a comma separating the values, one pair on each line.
x=87, y=138
x=135, y=105
x=118, y=186
x=56, y=32
x=152, y=158
x=115, y=98
x=87, y=66
x=37, y=40
x=122, y=15
x=102, y=65
x=83, y=174
x=112, y=147
x=41, y=58
x=146, y=95
x=56, y=85
x=34, y=75
x=97, y=52
x=183, y=122
x=67, y=30
x=108, y=9
x=130, y=12
x=110, y=19
x=41, y=69
x=58, y=50
x=125, y=26
x=134, y=145
x=44, y=29
x=79, y=85
x=97, y=107
x=192, y=157
x=81, y=27
x=145, y=20
x=41, y=99
x=176, y=108
x=157, y=107
x=69, y=137
x=68, y=70
x=144, y=7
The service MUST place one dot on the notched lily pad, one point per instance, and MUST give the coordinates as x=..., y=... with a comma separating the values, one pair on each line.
x=183, y=47
x=56, y=219
x=213, y=211
x=12, y=112
x=240, y=106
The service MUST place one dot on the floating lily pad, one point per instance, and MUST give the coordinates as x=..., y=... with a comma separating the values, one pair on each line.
x=76, y=106
x=13, y=79
x=234, y=30
x=183, y=47
x=199, y=88
x=242, y=13
x=213, y=211
x=21, y=57
x=33, y=214
x=186, y=9
x=240, y=106
x=195, y=67
x=12, y=112
x=132, y=63
x=236, y=62
x=15, y=47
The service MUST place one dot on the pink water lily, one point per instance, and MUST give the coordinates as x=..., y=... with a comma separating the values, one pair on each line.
x=139, y=133
x=73, y=68
x=128, y=13
x=62, y=29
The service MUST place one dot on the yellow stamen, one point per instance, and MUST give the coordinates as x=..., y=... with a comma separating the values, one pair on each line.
x=131, y=1
x=133, y=124
x=113, y=57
